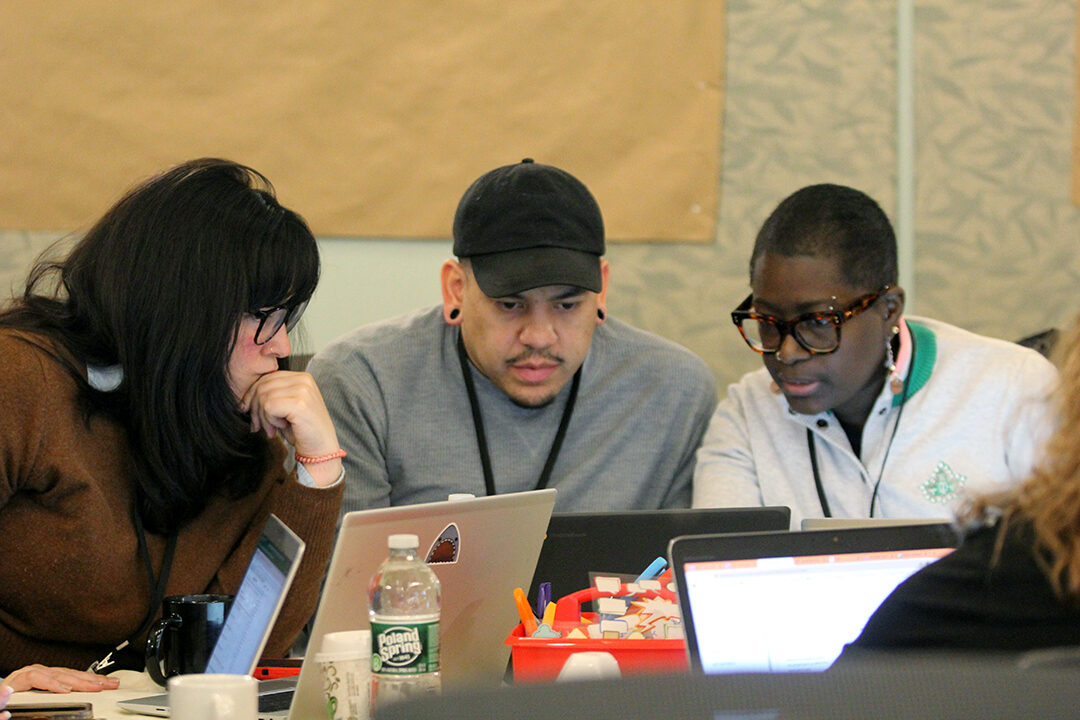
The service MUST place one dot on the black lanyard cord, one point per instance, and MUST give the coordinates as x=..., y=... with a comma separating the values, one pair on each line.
x=481, y=436
x=157, y=588
x=881, y=472
x=885, y=459
x=158, y=582
x=817, y=475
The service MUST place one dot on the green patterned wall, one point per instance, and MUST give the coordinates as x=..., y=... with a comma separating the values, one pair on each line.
x=811, y=97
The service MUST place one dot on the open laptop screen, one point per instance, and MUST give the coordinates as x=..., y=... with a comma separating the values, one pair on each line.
x=257, y=602
x=794, y=607
x=251, y=618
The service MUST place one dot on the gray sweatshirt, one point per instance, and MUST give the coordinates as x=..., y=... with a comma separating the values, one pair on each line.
x=398, y=400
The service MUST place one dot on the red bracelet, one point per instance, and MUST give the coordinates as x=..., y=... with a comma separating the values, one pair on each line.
x=313, y=459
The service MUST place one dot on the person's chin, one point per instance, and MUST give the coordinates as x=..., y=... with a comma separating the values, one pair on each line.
x=806, y=405
x=240, y=389
x=531, y=396
x=532, y=401
x=237, y=392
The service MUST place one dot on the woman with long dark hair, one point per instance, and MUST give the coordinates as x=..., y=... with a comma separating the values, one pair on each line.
x=141, y=404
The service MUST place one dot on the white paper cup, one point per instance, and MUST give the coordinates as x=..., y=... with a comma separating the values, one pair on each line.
x=345, y=662
x=213, y=697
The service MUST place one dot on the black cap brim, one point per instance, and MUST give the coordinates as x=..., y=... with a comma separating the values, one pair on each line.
x=513, y=272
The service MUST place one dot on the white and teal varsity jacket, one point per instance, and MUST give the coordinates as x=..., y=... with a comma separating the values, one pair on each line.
x=975, y=416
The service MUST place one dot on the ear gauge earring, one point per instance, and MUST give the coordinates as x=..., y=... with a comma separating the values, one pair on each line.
x=895, y=383
x=455, y=314
x=600, y=314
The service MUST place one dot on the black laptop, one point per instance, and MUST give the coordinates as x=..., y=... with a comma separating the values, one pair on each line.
x=626, y=543
x=782, y=602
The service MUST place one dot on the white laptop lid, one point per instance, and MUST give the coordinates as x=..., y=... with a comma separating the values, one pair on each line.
x=255, y=608
x=489, y=546
x=778, y=602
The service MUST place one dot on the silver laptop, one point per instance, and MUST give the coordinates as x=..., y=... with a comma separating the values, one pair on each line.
x=791, y=601
x=481, y=549
x=251, y=617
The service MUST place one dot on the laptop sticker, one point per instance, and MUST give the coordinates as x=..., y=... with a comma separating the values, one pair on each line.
x=446, y=547
x=944, y=485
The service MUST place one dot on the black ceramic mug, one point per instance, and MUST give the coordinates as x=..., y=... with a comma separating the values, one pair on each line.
x=182, y=640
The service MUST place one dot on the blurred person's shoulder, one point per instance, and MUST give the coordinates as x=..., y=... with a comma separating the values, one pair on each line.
x=623, y=342
x=387, y=339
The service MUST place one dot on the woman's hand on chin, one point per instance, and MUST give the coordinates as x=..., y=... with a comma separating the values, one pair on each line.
x=290, y=403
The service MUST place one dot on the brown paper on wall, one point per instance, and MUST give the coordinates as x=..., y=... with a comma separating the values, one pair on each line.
x=1076, y=130
x=370, y=118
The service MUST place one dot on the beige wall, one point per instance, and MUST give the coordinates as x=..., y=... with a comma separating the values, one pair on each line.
x=810, y=97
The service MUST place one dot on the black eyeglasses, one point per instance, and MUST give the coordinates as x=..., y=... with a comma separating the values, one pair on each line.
x=818, y=332
x=271, y=320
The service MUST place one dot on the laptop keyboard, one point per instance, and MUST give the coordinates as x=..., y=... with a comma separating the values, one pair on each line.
x=275, y=701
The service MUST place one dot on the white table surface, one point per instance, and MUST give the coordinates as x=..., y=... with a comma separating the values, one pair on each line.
x=132, y=685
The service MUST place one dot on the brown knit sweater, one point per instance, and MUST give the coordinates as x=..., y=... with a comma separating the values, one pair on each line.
x=72, y=582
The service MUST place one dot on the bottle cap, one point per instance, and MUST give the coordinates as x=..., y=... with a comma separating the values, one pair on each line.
x=456, y=497
x=346, y=645
x=403, y=542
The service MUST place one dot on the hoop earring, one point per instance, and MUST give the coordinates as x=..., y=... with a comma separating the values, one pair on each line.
x=896, y=385
x=455, y=313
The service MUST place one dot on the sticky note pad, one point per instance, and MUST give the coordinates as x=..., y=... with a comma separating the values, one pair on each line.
x=611, y=606
x=608, y=584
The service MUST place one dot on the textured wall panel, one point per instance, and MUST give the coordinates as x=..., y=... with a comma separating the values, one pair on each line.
x=810, y=97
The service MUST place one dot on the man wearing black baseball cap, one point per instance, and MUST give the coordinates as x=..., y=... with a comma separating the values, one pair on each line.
x=519, y=380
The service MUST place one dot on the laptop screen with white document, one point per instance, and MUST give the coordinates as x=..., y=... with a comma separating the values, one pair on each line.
x=256, y=603
x=251, y=618
x=782, y=602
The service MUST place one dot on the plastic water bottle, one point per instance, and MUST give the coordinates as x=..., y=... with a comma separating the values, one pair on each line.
x=403, y=601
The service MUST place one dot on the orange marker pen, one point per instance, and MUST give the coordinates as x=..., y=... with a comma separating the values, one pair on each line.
x=528, y=620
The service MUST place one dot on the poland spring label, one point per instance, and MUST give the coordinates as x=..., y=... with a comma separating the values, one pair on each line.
x=405, y=648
